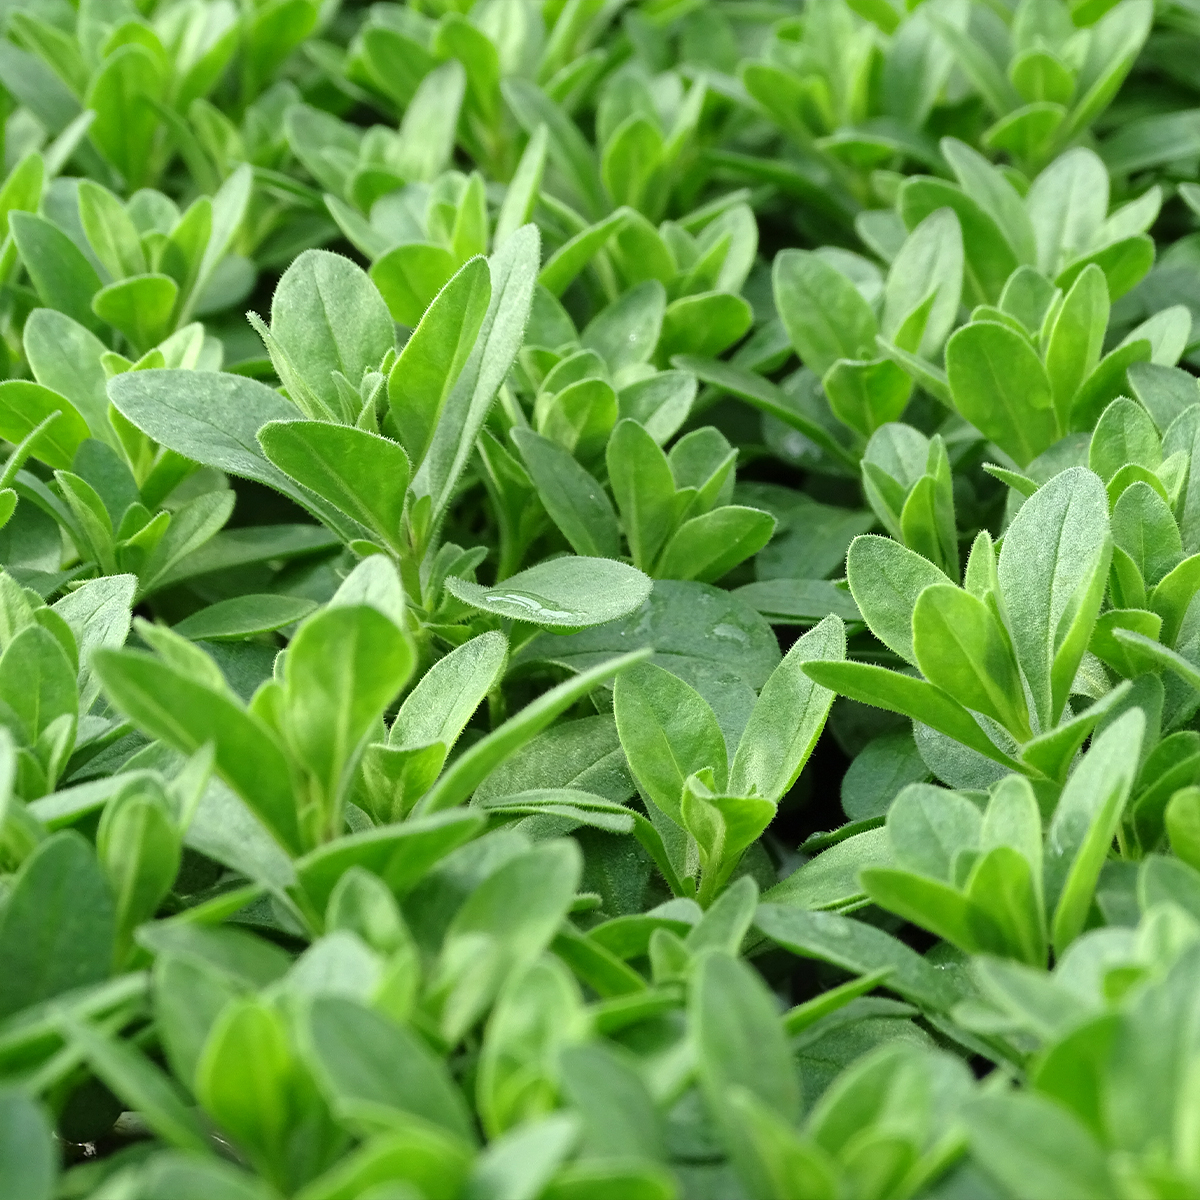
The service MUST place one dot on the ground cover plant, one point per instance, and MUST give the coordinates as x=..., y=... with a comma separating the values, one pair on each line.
x=599, y=598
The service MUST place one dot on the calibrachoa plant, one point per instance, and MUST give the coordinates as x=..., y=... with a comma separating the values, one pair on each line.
x=599, y=600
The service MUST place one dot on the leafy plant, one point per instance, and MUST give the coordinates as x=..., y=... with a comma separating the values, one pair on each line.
x=659, y=658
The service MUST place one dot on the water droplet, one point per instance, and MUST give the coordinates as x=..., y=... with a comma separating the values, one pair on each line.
x=538, y=608
x=732, y=632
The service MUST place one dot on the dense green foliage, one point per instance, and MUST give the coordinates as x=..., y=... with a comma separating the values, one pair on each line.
x=659, y=660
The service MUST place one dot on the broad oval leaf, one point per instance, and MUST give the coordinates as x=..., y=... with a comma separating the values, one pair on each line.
x=566, y=593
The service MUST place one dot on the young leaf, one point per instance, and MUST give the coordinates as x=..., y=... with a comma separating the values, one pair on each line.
x=1086, y=821
x=825, y=315
x=1051, y=569
x=362, y=474
x=343, y=668
x=327, y=317
x=513, y=271
x=962, y=648
x=886, y=581
x=668, y=733
x=787, y=718
x=428, y=367
x=1000, y=385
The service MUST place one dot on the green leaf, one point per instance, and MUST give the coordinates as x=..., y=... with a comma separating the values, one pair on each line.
x=570, y=259
x=580, y=417
x=410, y=276
x=57, y=925
x=167, y=704
x=568, y=150
x=1003, y=885
x=1076, y=338
x=570, y=593
x=24, y=406
x=627, y=331
x=1052, y=752
x=98, y=613
x=63, y=277
x=704, y=325
x=739, y=1037
x=1052, y=570
x=253, y=544
x=29, y=1156
x=141, y=308
x=192, y=526
x=878, y=773
x=787, y=719
x=37, y=683
x=989, y=259
x=1116, y=41
x=930, y=261
x=708, y=637
x=910, y=697
x=249, y=1080
x=618, y=1113
x=1144, y=527
x=367, y=1065
x=214, y=419
x=110, y=231
x=428, y=367
x=798, y=601
x=191, y=1178
x=668, y=733
x=866, y=395
x=1000, y=386
x=990, y=188
x=520, y=1164
x=1067, y=205
x=886, y=580
x=962, y=647
x=1032, y=1144
x=1085, y=822
x=343, y=668
x=139, y=848
x=427, y=130
x=631, y=156
x=1163, y=391
x=1183, y=825
x=398, y=855
x=122, y=95
x=522, y=191
x=644, y=489
x=576, y=502
x=502, y=927
x=65, y=357
x=831, y=879
x=769, y=399
x=475, y=764
x=928, y=826
x=327, y=316
x=938, y=907
x=1124, y=434
x=513, y=272
x=709, y=546
x=824, y=313
x=859, y=948
x=361, y=473
x=244, y=617
x=441, y=704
